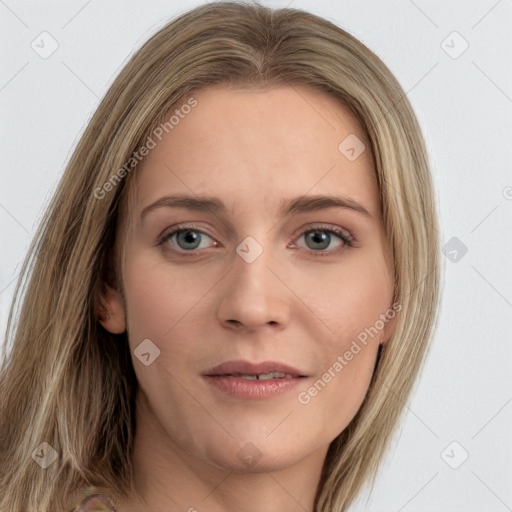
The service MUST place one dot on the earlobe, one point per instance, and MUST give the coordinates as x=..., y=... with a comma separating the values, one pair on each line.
x=110, y=310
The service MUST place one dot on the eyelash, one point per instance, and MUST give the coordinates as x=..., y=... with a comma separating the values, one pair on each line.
x=347, y=240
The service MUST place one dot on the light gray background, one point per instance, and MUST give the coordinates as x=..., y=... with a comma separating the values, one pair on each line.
x=464, y=106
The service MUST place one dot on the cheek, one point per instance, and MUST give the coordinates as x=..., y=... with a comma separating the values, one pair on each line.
x=349, y=303
x=337, y=394
x=166, y=306
x=150, y=310
x=158, y=298
x=351, y=298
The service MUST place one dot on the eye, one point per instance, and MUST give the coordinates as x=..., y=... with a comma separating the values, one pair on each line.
x=320, y=239
x=187, y=239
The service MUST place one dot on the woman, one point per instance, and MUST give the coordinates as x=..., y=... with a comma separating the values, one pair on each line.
x=232, y=292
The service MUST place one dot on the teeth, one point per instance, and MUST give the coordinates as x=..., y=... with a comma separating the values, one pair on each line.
x=268, y=376
x=265, y=376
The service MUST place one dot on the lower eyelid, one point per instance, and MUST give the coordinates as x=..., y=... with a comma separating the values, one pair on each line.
x=341, y=236
x=170, y=234
x=345, y=240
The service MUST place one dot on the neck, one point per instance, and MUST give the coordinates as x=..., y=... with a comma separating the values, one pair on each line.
x=167, y=479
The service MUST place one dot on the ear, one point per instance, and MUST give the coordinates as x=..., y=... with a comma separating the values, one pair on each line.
x=110, y=310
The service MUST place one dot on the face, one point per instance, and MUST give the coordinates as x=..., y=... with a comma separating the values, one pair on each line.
x=281, y=271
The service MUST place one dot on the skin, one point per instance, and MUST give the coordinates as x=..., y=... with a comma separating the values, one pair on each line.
x=250, y=148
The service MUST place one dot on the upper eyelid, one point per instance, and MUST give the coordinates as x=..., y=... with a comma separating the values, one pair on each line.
x=183, y=227
x=319, y=226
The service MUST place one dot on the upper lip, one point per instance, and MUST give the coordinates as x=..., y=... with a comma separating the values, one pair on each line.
x=247, y=368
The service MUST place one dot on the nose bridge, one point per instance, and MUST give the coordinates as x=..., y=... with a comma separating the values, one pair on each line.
x=252, y=295
x=251, y=265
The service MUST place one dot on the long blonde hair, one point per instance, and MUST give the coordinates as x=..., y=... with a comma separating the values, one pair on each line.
x=67, y=382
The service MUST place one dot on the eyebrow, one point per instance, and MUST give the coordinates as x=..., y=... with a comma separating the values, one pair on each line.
x=302, y=204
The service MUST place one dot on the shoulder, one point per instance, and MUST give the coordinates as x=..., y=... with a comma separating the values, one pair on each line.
x=96, y=503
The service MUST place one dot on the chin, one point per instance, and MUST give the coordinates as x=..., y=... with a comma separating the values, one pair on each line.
x=253, y=457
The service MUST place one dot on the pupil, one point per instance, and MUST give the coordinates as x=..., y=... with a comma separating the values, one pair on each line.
x=190, y=237
x=319, y=237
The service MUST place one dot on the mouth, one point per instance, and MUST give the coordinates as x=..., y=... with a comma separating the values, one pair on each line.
x=261, y=376
x=260, y=371
x=249, y=381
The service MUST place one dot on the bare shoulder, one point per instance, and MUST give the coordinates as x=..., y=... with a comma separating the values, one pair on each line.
x=95, y=503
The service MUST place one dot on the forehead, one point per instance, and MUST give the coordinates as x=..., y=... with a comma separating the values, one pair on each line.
x=254, y=147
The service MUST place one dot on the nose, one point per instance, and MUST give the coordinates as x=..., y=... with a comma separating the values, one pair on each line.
x=253, y=297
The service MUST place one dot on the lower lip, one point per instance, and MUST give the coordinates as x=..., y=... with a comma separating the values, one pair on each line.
x=244, y=389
